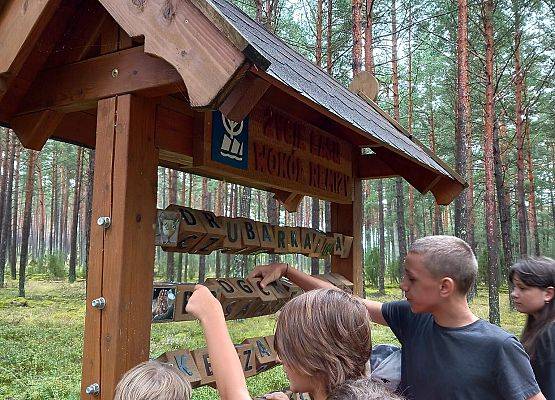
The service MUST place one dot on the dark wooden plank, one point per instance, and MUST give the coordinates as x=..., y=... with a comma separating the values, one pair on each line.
x=19, y=80
x=77, y=128
x=80, y=36
x=21, y=24
x=102, y=206
x=347, y=220
x=79, y=85
x=33, y=130
x=243, y=97
x=370, y=166
x=129, y=243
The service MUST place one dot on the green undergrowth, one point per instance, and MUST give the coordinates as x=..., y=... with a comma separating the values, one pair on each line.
x=41, y=340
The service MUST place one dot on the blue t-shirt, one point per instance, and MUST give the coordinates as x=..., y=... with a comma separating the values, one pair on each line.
x=479, y=361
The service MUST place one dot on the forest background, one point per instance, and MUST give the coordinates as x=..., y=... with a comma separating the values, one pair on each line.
x=471, y=80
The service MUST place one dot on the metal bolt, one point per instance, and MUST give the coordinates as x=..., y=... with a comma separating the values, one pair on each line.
x=93, y=389
x=115, y=73
x=99, y=303
x=104, y=222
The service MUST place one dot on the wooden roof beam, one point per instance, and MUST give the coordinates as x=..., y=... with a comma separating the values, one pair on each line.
x=21, y=24
x=34, y=54
x=186, y=39
x=370, y=166
x=80, y=85
x=33, y=130
x=244, y=95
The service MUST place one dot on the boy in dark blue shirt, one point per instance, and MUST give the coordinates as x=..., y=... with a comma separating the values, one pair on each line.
x=448, y=352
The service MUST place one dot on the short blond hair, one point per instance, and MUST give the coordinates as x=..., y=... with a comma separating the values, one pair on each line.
x=363, y=389
x=325, y=334
x=153, y=380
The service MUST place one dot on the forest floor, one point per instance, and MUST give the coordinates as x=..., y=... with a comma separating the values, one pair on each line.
x=41, y=339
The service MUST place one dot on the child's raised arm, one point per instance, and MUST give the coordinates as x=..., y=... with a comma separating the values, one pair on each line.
x=223, y=357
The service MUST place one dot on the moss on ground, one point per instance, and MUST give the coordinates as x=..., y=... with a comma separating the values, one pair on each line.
x=41, y=340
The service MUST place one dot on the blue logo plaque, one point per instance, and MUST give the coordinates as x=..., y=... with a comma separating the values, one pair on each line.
x=230, y=141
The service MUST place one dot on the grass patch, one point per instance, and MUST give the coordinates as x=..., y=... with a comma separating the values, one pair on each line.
x=41, y=338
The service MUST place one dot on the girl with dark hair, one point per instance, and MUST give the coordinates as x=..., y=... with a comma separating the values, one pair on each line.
x=533, y=293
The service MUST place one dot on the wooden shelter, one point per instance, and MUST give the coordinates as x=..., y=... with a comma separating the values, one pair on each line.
x=141, y=81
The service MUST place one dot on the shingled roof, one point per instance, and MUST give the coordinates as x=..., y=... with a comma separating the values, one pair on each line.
x=292, y=69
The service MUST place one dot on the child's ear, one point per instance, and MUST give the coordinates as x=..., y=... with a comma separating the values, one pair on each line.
x=447, y=287
x=549, y=294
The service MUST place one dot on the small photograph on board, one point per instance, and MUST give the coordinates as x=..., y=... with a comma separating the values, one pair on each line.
x=163, y=303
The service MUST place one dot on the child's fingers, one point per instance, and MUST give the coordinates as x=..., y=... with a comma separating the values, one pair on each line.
x=257, y=272
x=270, y=277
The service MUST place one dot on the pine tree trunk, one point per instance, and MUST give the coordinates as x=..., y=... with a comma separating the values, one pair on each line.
x=368, y=46
x=400, y=200
x=319, y=17
x=75, y=217
x=412, y=227
x=381, y=269
x=4, y=177
x=357, y=36
x=88, y=209
x=463, y=117
x=315, y=223
x=52, y=199
x=29, y=183
x=7, y=217
x=41, y=206
x=13, y=242
x=272, y=211
x=329, y=62
x=202, y=258
x=502, y=204
x=489, y=197
x=533, y=219
x=519, y=134
x=172, y=198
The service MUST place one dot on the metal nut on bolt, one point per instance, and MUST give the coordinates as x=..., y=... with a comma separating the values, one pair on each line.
x=104, y=222
x=93, y=389
x=99, y=303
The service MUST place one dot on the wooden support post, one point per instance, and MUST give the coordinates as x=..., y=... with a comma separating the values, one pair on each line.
x=122, y=255
x=347, y=219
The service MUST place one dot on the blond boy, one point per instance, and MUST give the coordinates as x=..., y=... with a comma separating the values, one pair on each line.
x=153, y=380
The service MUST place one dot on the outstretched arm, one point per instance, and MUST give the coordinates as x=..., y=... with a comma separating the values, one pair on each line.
x=223, y=356
x=272, y=272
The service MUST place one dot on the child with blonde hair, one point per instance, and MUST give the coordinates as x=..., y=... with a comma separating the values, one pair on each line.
x=153, y=380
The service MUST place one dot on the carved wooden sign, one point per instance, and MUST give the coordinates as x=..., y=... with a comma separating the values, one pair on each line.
x=186, y=230
x=256, y=355
x=273, y=149
x=240, y=297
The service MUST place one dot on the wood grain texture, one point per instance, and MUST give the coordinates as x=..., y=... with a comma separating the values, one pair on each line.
x=179, y=33
x=347, y=219
x=33, y=130
x=123, y=255
x=77, y=86
x=102, y=206
x=21, y=23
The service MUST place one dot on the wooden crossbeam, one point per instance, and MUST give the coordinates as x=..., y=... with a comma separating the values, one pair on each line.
x=370, y=166
x=33, y=130
x=78, y=86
